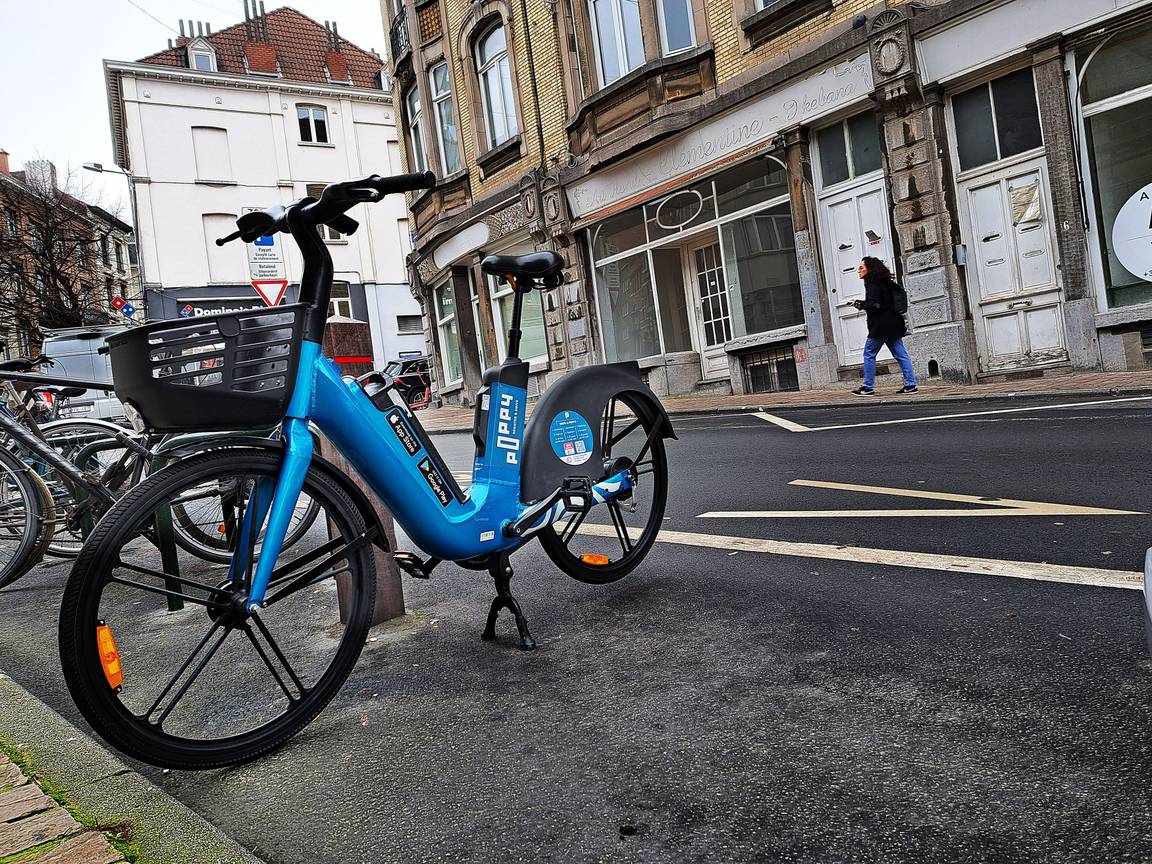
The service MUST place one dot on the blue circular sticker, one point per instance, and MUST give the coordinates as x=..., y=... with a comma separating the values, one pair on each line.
x=571, y=438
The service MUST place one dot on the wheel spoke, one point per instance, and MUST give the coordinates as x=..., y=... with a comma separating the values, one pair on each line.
x=282, y=573
x=191, y=679
x=573, y=524
x=168, y=577
x=268, y=662
x=164, y=592
x=628, y=430
x=317, y=573
x=621, y=528
x=279, y=654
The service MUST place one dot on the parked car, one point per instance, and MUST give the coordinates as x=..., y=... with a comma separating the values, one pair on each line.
x=76, y=353
x=411, y=379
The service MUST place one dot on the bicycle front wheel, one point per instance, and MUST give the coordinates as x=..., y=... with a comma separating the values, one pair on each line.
x=25, y=511
x=212, y=684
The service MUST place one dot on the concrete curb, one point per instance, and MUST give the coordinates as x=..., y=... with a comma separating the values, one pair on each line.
x=1016, y=396
x=99, y=786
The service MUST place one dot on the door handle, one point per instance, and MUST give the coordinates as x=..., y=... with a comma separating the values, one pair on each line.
x=844, y=247
x=990, y=238
x=1020, y=303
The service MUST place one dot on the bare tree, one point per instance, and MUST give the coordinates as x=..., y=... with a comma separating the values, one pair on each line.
x=53, y=251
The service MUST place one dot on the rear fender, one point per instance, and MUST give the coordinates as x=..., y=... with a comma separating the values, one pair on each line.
x=570, y=412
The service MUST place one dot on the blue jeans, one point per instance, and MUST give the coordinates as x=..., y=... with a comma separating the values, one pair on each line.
x=896, y=346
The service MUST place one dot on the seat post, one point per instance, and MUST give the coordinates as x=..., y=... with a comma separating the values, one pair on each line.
x=514, y=332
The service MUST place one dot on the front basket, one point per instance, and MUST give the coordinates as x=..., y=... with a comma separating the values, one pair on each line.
x=229, y=371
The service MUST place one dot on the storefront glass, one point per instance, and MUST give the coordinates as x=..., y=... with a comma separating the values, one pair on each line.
x=647, y=288
x=1116, y=135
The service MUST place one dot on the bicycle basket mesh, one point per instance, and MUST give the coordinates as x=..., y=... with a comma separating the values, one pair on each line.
x=229, y=371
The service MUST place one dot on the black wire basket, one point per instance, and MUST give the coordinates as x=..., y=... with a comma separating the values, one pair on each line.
x=229, y=371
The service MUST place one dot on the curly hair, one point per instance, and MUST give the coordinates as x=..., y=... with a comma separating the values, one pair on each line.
x=877, y=269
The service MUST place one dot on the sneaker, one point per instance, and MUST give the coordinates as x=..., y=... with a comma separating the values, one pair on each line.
x=907, y=389
x=863, y=391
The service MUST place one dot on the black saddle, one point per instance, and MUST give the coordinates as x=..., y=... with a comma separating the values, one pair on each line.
x=16, y=364
x=545, y=266
x=66, y=392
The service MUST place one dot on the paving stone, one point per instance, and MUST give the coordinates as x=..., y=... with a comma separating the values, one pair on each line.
x=41, y=828
x=89, y=848
x=23, y=801
x=10, y=773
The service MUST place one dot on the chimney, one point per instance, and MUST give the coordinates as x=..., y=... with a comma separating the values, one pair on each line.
x=41, y=175
x=181, y=26
x=4, y=162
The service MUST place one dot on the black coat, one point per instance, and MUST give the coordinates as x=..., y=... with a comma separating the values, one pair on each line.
x=884, y=322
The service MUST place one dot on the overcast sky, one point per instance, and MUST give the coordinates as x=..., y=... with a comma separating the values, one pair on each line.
x=52, y=98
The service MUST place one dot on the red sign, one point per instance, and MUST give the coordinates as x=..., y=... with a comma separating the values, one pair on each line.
x=800, y=355
x=271, y=291
x=118, y=302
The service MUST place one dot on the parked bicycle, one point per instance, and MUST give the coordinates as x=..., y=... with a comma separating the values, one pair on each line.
x=281, y=629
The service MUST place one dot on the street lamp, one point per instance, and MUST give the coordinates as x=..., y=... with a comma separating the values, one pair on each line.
x=101, y=169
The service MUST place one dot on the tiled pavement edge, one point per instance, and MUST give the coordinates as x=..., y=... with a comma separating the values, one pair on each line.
x=99, y=789
x=1072, y=386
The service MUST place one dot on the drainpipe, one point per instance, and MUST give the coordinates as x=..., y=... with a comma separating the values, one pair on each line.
x=532, y=73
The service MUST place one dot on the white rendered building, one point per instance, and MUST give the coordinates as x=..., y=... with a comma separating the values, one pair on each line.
x=258, y=114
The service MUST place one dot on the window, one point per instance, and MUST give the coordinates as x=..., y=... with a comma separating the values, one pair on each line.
x=119, y=256
x=448, y=334
x=339, y=301
x=213, y=158
x=327, y=233
x=409, y=324
x=997, y=120
x=313, y=121
x=10, y=221
x=36, y=240
x=41, y=283
x=419, y=160
x=496, y=86
x=203, y=61
x=850, y=149
x=104, y=249
x=109, y=292
x=445, y=118
x=618, y=37
x=534, y=338
x=676, y=28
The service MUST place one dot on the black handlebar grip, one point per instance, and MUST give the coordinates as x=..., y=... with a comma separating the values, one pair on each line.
x=344, y=224
x=406, y=182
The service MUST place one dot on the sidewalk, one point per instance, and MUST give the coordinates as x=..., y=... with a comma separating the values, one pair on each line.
x=70, y=801
x=1072, y=385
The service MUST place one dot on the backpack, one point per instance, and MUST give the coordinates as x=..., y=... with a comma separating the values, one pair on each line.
x=899, y=297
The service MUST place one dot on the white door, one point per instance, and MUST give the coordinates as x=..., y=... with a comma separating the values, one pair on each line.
x=854, y=223
x=713, y=313
x=1012, y=273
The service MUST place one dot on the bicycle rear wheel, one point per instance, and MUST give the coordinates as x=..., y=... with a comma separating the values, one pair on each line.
x=212, y=684
x=610, y=540
x=25, y=511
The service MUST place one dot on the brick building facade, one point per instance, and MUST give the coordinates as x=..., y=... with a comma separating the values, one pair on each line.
x=713, y=172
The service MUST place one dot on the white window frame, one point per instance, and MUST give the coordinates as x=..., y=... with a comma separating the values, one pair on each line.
x=196, y=54
x=415, y=109
x=494, y=69
x=669, y=52
x=497, y=291
x=443, y=331
x=444, y=109
x=312, y=109
x=341, y=306
x=853, y=176
x=1001, y=161
x=621, y=41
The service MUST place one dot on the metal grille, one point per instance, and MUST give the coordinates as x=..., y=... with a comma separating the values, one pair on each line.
x=770, y=371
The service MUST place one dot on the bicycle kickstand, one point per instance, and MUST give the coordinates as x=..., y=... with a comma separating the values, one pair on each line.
x=501, y=569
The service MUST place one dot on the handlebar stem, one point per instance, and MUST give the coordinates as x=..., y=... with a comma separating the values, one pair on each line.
x=316, y=282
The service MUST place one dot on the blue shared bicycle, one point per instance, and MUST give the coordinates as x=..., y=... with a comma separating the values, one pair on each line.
x=268, y=634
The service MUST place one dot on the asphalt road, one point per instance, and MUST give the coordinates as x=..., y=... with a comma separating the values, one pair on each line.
x=719, y=707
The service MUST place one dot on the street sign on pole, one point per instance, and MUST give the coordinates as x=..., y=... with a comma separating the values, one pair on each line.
x=265, y=257
x=271, y=291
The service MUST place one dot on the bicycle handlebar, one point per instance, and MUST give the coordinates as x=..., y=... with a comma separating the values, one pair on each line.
x=329, y=209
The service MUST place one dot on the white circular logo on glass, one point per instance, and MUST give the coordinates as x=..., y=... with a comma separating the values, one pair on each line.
x=1132, y=234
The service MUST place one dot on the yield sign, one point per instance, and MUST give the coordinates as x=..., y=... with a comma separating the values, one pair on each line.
x=271, y=291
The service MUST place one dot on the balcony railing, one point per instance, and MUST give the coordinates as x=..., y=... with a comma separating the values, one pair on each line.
x=401, y=40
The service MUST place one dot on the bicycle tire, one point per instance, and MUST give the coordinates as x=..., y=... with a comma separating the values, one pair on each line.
x=192, y=538
x=32, y=531
x=80, y=613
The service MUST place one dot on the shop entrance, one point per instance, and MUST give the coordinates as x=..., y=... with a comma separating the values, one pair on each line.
x=709, y=298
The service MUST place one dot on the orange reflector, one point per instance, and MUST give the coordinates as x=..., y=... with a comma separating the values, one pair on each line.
x=598, y=560
x=220, y=529
x=109, y=656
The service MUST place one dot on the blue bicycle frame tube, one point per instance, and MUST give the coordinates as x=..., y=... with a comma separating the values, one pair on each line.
x=389, y=450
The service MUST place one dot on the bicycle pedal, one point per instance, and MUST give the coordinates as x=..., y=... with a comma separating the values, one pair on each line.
x=411, y=564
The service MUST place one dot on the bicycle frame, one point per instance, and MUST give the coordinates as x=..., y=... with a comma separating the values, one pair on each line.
x=391, y=451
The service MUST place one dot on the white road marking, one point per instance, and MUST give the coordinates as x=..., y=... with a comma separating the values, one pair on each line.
x=989, y=506
x=781, y=422
x=1039, y=571
x=979, y=413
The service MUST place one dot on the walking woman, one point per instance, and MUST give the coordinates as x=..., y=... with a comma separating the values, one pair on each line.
x=882, y=301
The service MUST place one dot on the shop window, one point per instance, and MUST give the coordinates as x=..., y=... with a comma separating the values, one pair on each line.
x=849, y=149
x=997, y=120
x=445, y=110
x=618, y=37
x=755, y=182
x=770, y=370
x=619, y=234
x=627, y=311
x=680, y=211
x=313, y=121
x=496, y=96
x=1121, y=165
x=760, y=259
x=419, y=161
x=449, y=334
x=676, y=28
x=668, y=269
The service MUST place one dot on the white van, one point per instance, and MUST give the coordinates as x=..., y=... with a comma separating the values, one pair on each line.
x=76, y=352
